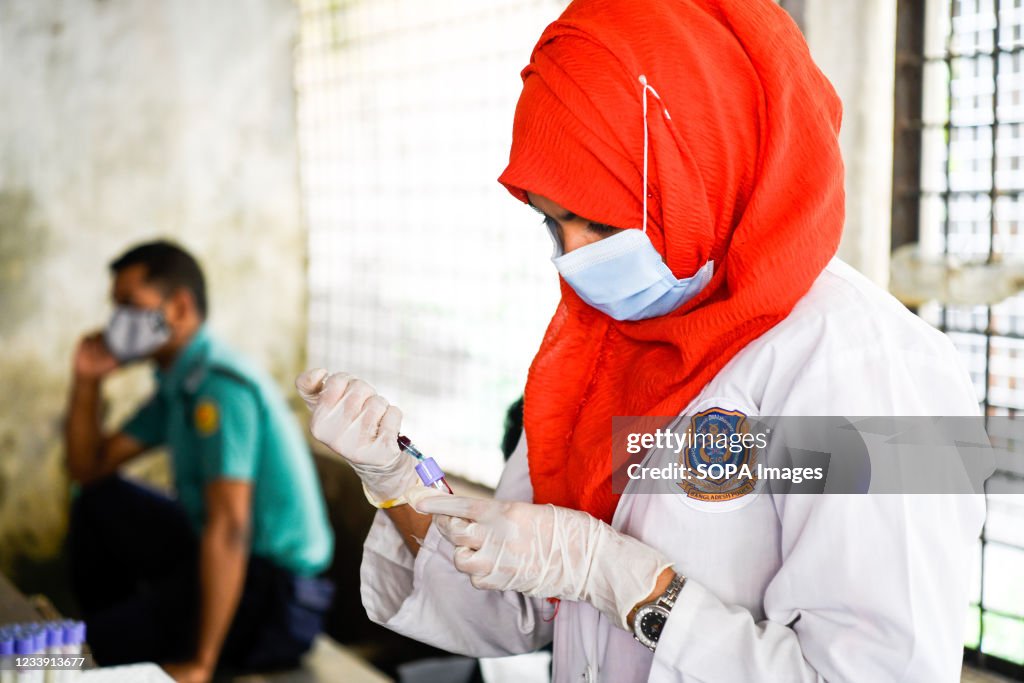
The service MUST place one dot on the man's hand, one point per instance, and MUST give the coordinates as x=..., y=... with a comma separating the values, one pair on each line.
x=92, y=359
x=90, y=455
x=189, y=672
x=547, y=552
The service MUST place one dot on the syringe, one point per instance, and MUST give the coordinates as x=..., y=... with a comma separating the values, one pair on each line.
x=427, y=468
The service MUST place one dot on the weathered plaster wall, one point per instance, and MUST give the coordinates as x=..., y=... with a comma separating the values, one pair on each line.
x=120, y=121
x=854, y=43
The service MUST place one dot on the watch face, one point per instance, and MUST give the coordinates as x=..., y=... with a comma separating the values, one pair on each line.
x=650, y=620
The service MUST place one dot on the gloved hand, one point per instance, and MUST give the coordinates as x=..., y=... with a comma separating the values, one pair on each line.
x=351, y=419
x=546, y=551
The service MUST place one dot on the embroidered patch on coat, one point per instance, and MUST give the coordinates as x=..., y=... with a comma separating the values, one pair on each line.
x=720, y=460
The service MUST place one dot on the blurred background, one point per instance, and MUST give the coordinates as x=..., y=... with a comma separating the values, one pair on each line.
x=332, y=163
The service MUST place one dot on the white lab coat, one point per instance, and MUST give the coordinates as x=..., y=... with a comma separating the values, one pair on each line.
x=858, y=588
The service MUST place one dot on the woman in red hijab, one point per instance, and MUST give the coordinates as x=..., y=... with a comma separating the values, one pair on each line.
x=684, y=154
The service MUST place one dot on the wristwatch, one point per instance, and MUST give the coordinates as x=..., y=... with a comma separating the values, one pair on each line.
x=650, y=618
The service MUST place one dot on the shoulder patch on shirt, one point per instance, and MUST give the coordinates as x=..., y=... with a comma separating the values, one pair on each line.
x=206, y=417
x=719, y=460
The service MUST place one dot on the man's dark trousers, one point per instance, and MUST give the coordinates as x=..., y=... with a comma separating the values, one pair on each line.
x=135, y=572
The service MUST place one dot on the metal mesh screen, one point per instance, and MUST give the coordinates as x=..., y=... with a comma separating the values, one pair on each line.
x=972, y=206
x=426, y=278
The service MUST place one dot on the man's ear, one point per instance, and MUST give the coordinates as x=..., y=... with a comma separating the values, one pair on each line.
x=181, y=306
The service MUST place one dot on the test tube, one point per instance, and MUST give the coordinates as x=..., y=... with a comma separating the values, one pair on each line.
x=66, y=627
x=6, y=655
x=80, y=634
x=54, y=648
x=432, y=476
x=25, y=645
x=74, y=637
x=406, y=446
x=54, y=638
x=39, y=634
x=427, y=468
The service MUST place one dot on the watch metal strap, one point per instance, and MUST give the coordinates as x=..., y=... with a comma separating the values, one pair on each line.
x=668, y=598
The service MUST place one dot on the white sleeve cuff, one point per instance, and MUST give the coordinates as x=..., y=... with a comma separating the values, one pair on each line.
x=427, y=599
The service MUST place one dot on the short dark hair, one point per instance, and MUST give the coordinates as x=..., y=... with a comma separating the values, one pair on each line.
x=168, y=267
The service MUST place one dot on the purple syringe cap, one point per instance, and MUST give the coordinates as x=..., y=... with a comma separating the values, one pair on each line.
x=6, y=643
x=429, y=471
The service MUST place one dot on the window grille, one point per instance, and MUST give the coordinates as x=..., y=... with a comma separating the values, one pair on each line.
x=960, y=106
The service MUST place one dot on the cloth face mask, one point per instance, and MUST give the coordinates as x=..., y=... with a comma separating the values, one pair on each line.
x=134, y=333
x=624, y=277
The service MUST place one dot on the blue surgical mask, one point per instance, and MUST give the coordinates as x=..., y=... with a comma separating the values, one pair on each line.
x=135, y=333
x=624, y=276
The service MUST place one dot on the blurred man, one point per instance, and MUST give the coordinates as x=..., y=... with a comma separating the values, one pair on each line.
x=228, y=573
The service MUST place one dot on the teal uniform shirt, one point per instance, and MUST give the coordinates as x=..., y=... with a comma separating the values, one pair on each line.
x=223, y=419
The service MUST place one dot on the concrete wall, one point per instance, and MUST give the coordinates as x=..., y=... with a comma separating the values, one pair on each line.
x=854, y=43
x=123, y=120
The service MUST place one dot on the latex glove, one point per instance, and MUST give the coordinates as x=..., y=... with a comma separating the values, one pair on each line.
x=546, y=551
x=351, y=419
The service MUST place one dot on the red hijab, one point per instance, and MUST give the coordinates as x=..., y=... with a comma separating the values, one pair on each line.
x=746, y=171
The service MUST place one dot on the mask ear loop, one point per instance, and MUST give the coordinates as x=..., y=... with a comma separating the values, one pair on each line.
x=643, y=81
